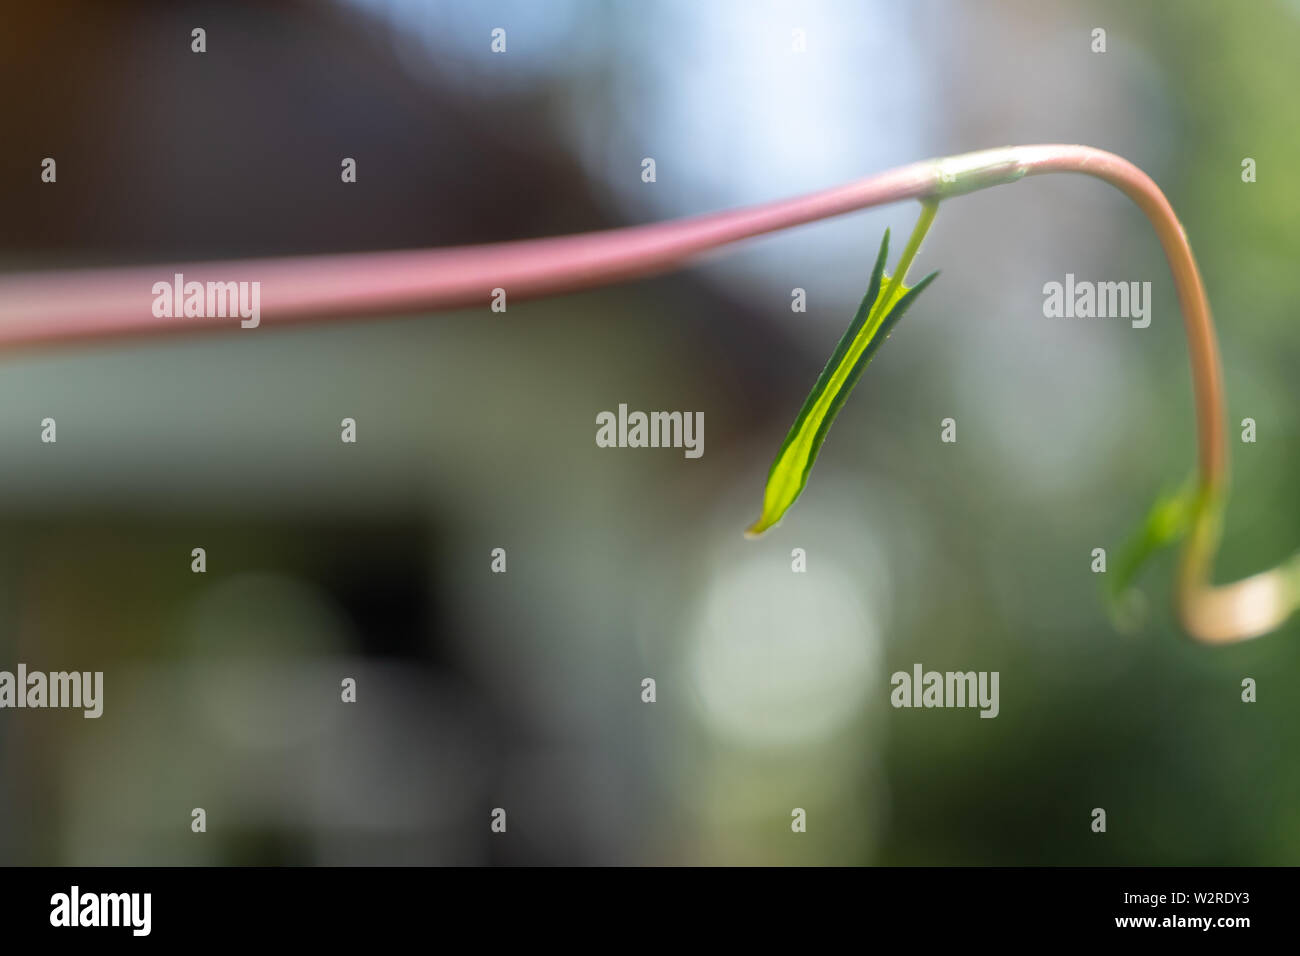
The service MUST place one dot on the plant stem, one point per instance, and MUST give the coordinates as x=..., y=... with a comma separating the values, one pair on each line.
x=928, y=208
x=65, y=306
x=886, y=300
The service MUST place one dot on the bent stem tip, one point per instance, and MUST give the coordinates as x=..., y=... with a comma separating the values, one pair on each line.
x=1234, y=612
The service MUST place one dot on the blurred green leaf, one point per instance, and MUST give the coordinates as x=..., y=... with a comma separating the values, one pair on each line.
x=1165, y=524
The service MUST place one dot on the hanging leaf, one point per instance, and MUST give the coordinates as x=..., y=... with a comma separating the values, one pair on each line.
x=1165, y=524
x=883, y=305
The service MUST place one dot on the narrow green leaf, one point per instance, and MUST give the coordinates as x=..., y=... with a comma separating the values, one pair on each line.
x=881, y=308
x=1165, y=524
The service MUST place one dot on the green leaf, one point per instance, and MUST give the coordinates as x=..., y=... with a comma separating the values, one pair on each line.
x=881, y=308
x=1166, y=523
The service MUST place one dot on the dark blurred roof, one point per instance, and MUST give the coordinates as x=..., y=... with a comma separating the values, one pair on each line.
x=167, y=154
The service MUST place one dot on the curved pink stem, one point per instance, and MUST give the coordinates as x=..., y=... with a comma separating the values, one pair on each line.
x=58, y=307
x=1207, y=376
x=46, y=307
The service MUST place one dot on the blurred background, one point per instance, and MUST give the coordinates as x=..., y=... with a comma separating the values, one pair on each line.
x=476, y=431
